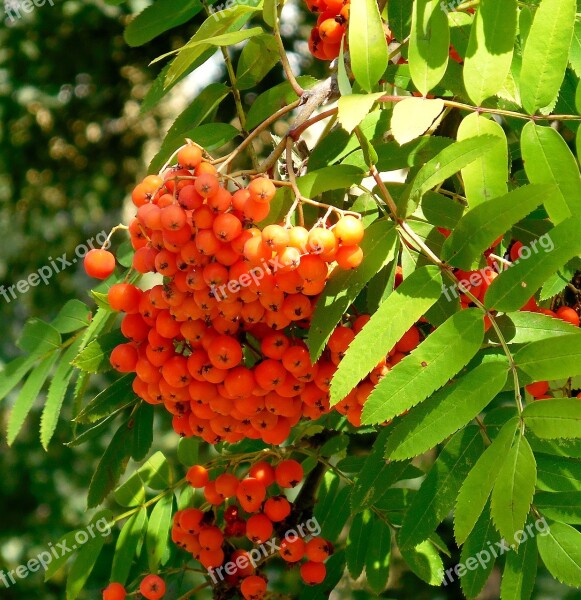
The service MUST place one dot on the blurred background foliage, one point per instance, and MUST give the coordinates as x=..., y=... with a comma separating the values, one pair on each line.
x=72, y=144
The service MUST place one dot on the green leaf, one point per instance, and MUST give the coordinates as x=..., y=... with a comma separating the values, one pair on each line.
x=480, y=226
x=343, y=287
x=14, y=372
x=558, y=473
x=129, y=539
x=425, y=562
x=332, y=509
x=367, y=44
x=555, y=358
x=487, y=176
x=158, y=18
x=357, y=542
x=547, y=159
x=258, y=57
x=428, y=46
x=83, y=566
x=435, y=498
x=447, y=411
x=70, y=542
x=131, y=492
x=119, y=393
x=343, y=82
x=564, y=507
x=336, y=177
x=393, y=318
x=490, y=49
x=478, y=484
x=512, y=289
x=550, y=419
x=187, y=125
x=546, y=53
x=269, y=12
x=473, y=555
x=520, y=571
x=575, y=49
x=222, y=28
x=378, y=555
x=56, y=393
x=28, y=395
x=38, y=338
x=156, y=472
x=267, y=103
x=189, y=451
x=158, y=528
x=110, y=468
x=446, y=163
x=354, y=108
x=74, y=315
x=414, y=116
x=142, y=432
x=560, y=549
x=522, y=327
x=513, y=490
x=376, y=476
x=435, y=361
x=95, y=357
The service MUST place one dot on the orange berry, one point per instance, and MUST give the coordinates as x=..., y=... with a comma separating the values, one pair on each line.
x=207, y=185
x=313, y=573
x=318, y=549
x=409, y=341
x=124, y=358
x=537, y=389
x=277, y=508
x=569, y=315
x=259, y=528
x=253, y=588
x=227, y=227
x=211, y=538
x=114, y=591
x=226, y=485
x=124, y=297
x=197, y=476
x=349, y=257
x=275, y=237
x=262, y=471
x=348, y=230
x=331, y=31
x=292, y=549
x=152, y=587
x=99, y=263
x=261, y=190
x=190, y=157
x=289, y=473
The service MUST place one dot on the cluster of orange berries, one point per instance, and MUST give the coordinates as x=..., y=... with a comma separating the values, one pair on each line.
x=152, y=587
x=219, y=342
x=260, y=513
x=327, y=34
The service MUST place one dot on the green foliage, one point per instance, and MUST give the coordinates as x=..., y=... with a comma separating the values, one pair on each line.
x=477, y=174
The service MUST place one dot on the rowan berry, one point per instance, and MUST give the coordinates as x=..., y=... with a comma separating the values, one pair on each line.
x=292, y=549
x=289, y=473
x=197, y=476
x=190, y=156
x=114, y=591
x=318, y=549
x=99, y=263
x=261, y=190
x=313, y=573
x=569, y=315
x=259, y=528
x=253, y=588
x=152, y=587
x=277, y=508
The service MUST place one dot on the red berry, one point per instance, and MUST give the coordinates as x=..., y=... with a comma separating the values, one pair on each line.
x=152, y=587
x=114, y=591
x=289, y=473
x=99, y=263
x=313, y=573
